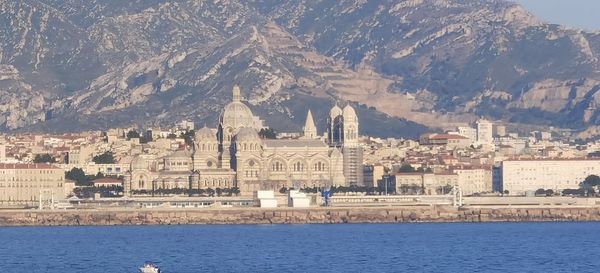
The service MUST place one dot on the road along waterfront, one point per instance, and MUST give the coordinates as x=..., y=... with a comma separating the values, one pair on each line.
x=319, y=215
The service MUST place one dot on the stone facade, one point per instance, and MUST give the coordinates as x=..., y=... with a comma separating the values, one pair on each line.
x=21, y=185
x=234, y=155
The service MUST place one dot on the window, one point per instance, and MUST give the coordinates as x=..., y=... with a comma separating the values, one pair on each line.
x=298, y=167
x=277, y=166
x=320, y=166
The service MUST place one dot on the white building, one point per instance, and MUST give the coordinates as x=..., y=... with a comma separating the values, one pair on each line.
x=474, y=180
x=521, y=176
x=468, y=132
x=485, y=133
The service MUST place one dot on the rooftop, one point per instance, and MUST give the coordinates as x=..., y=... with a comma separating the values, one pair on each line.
x=294, y=143
x=25, y=166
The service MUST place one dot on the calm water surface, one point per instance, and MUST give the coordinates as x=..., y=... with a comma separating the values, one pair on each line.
x=504, y=247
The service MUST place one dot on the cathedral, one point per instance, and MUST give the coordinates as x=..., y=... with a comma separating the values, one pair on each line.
x=234, y=155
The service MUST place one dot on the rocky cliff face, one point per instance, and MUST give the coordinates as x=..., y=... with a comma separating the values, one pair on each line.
x=75, y=64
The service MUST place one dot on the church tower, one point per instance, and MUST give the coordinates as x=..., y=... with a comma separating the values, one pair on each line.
x=350, y=126
x=310, y=130
x=353, y=152
x=335, y=127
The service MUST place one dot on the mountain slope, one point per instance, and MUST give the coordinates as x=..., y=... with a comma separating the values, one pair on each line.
x=93, y=64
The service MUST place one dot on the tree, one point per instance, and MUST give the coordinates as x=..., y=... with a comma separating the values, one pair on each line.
x=44, y=158
x=540, y=192
x=210, y=192
x=188, y=136
x=235, y=190
x=78, y=175
x=105, y=158
x=172, y=136
x=267, y=133
x=592, y=181
x=406, y=168
x=506, y=192
x=133, y=134
x=549, y=192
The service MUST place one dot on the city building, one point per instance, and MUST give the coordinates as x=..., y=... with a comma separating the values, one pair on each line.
x=373, y=174
x=468, y=132
x=452, y=141
x=520, y=176
x=22, y=185
x=484, y=132
x=472, y=180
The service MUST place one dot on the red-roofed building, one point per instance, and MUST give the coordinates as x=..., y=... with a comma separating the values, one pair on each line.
x=452, y=141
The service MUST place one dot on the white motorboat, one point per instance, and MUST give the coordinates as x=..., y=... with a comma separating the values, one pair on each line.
x=149, y=268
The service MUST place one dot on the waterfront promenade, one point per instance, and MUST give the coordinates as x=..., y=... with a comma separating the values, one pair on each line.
x=317, y=215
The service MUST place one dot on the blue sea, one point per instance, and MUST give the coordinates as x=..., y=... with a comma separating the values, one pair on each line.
x=488, y=247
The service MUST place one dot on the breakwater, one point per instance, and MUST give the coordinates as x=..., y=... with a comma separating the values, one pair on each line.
x=292, y=216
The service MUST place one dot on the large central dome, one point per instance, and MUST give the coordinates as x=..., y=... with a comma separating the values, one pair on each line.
x=236, y=114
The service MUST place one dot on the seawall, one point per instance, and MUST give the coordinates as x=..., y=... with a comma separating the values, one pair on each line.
x=434, y=214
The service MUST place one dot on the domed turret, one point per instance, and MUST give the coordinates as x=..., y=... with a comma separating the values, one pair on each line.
x=247, y=139
x=247, y=134
x=205, y=135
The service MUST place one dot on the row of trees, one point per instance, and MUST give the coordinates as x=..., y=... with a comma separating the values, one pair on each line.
x=407, y=168
x=83, y=180
x=588, y=187
x=104, y=158
x=44, y=158
x=234, y=191
x=89, y=192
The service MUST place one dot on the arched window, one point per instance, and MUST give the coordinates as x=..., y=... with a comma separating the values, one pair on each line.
x=277, y=166
x=298, y=166
x=320, y=166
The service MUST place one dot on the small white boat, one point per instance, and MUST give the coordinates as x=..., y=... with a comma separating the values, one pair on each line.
x=149, y=268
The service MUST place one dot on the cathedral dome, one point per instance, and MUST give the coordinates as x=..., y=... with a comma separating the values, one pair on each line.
x=247, y=134
x=236, y=114
x=205, y=135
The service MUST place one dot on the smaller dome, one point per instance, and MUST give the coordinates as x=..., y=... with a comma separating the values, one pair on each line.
x=247, y=134
x=205, y=135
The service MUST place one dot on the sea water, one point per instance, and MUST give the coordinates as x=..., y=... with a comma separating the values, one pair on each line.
x=487, y=247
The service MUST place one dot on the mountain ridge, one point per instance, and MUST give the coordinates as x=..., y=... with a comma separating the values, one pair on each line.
x=411, y=64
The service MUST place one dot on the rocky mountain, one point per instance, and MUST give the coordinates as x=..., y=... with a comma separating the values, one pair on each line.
x=68, y=65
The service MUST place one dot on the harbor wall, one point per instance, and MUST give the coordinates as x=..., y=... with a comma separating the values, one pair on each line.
x=440, y=214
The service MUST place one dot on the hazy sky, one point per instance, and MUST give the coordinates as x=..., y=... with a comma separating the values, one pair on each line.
x=576, y=13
